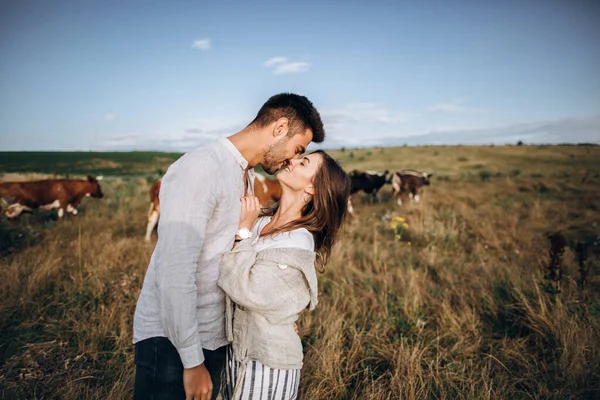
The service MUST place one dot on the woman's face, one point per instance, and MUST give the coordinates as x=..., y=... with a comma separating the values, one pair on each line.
x=298, y=175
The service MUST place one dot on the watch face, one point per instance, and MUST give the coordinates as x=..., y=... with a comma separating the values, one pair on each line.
x=244, y=233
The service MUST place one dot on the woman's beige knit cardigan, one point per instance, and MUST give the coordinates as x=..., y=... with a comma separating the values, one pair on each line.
x=269, y=288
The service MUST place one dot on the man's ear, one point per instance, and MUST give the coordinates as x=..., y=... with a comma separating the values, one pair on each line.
x=281, y=127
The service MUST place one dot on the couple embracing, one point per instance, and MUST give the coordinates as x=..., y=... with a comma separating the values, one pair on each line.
x=227, y=279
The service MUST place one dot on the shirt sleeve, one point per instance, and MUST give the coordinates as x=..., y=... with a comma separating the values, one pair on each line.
x=187, y=201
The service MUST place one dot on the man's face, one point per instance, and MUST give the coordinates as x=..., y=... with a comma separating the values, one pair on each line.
x=286, y=148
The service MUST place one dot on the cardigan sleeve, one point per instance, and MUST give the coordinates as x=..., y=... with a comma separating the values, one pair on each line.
x=256, y=286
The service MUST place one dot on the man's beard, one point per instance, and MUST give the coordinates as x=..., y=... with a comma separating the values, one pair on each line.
x=274, y=156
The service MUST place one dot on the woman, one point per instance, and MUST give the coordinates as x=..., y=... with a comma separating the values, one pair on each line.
x=270, y=277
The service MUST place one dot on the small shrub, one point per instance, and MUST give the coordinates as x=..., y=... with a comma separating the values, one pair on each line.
x=555, y=271
x=485, y=175
x=14, y=237
x=462, y=159
x=540, y=187
x=563, y=174
x=514, y=172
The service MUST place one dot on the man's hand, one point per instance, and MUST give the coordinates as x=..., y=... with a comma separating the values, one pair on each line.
x=197, y=383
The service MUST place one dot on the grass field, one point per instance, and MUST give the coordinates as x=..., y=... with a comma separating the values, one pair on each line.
x=456, y=307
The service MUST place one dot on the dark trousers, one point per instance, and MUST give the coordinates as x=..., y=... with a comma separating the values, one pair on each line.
x=159, y=371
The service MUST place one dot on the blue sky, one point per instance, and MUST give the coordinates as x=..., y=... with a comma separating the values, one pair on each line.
x=170, y=75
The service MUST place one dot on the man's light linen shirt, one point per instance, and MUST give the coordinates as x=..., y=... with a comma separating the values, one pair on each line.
x=200, y=208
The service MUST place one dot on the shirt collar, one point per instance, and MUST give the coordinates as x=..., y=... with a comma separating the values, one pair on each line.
x=239, y=158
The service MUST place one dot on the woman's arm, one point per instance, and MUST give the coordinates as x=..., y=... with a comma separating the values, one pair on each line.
x=248, y=214
x=254, y=285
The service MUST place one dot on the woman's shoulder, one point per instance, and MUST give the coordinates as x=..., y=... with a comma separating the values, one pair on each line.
x=299, y=238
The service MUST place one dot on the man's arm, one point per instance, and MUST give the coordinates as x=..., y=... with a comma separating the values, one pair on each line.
x=187, y=202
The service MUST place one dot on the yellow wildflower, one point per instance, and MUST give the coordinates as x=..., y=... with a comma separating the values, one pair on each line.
x=398, y=225
x=397, y=221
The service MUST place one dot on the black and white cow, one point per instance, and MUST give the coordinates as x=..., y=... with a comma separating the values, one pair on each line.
x=409, y=181
x=369, y=182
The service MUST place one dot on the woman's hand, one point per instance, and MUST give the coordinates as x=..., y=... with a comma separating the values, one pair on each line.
x=250, y=211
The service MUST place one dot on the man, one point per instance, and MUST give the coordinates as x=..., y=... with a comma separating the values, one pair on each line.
x=178, y=328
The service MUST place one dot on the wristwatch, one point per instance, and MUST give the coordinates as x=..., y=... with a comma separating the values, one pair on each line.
x=244, y=233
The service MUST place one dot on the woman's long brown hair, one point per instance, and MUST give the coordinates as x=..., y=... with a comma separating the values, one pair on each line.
x=325, y=211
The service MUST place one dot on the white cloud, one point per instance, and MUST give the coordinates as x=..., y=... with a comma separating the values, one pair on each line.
x=283, y=66
x=567, y=130
x=215, y=126
x=190, y=135
x=166, y=141
x=365, y=125
x=110, y=117
x=201, y=44
x=292, y=68
x=453, y=106
x=354, y=113
x=275, y=60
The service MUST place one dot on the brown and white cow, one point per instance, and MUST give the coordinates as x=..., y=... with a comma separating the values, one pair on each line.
x=409, y=181
x=268, y=192
x=154, y=211
x=64, y=194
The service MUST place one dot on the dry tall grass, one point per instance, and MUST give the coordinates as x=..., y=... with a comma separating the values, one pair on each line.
x=460, y=313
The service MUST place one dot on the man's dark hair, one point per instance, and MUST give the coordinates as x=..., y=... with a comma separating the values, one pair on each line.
x=297, y=109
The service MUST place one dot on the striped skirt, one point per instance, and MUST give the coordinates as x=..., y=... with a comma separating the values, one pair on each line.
x=260, y=382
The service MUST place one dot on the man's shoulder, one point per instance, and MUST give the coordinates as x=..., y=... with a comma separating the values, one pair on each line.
x=197, y=166
x=208, y=156
x=212, y=150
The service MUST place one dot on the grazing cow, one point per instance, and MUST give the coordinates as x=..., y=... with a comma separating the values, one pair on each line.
x=268, y=191
x=369, y=182
x=410, y=182
x=64, y=194
x=154, y=211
